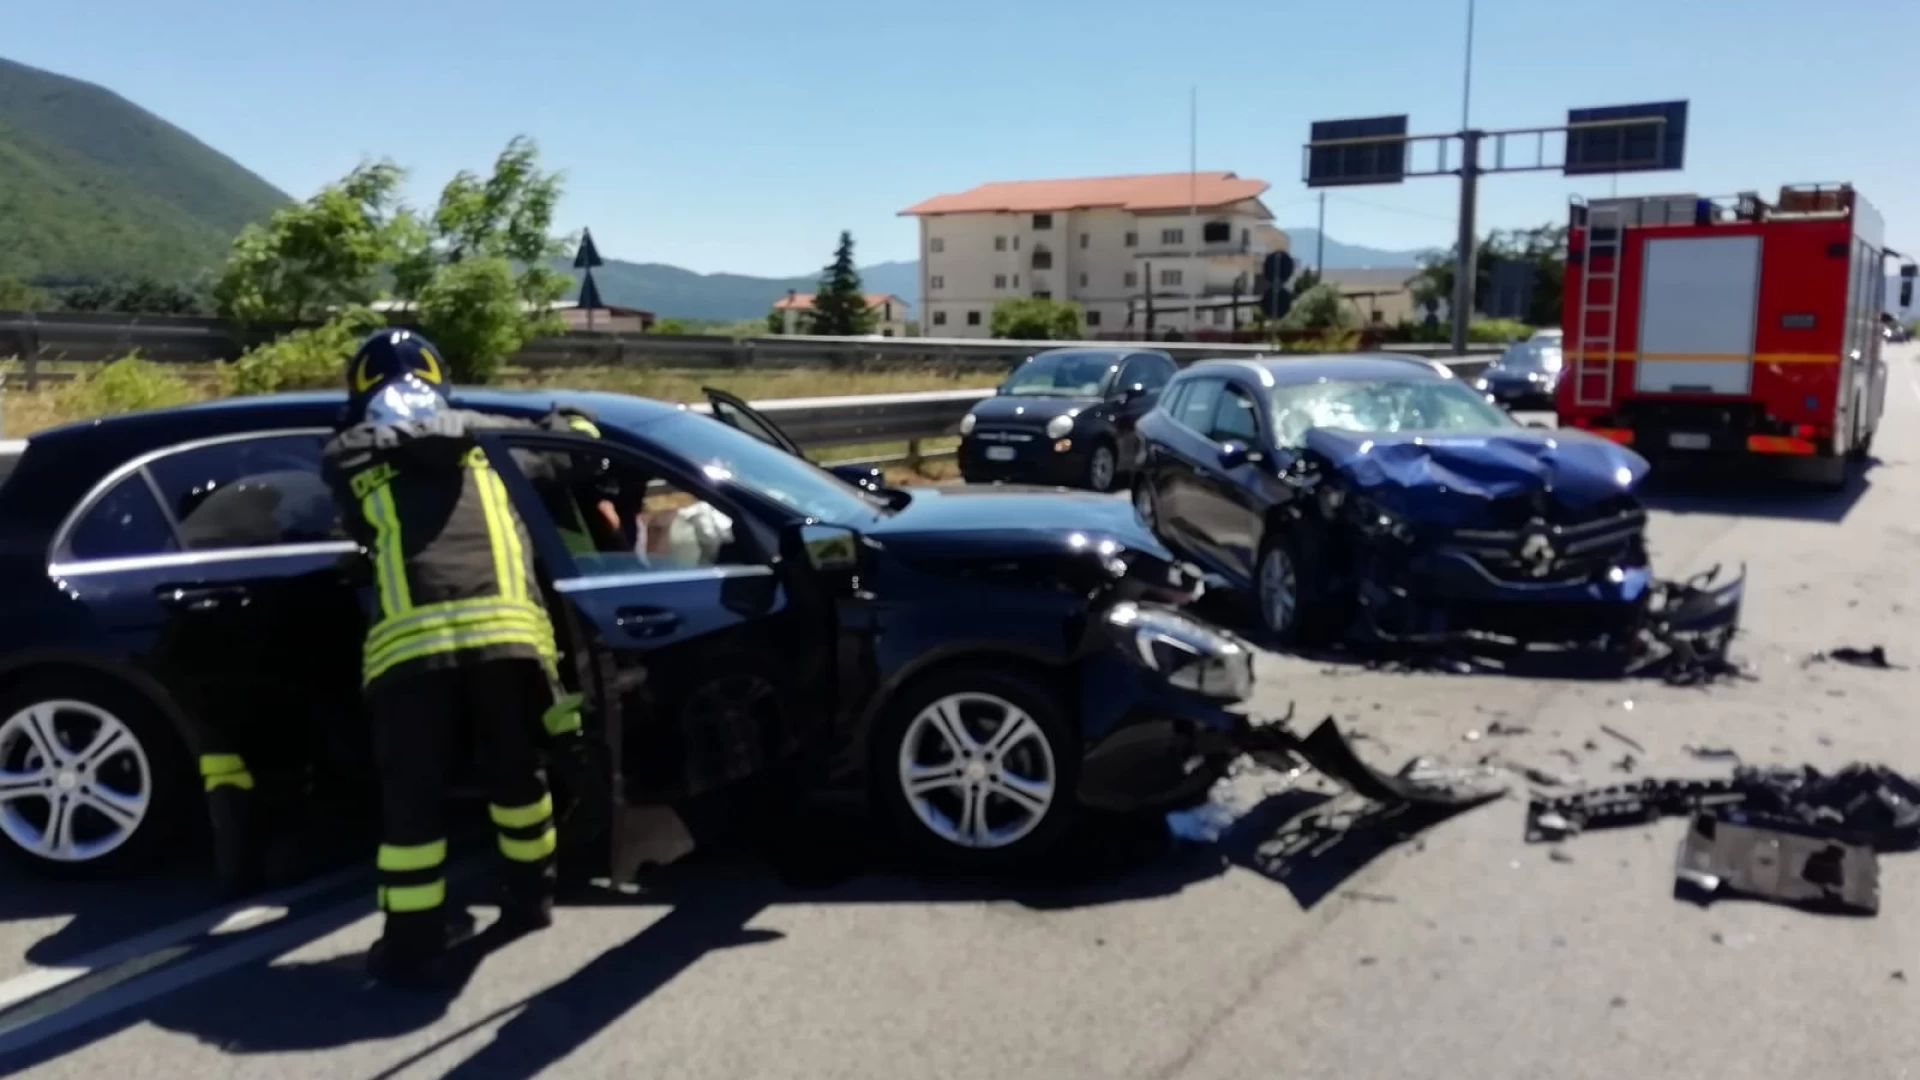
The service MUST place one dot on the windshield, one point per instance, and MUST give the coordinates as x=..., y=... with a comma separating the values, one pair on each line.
x=1539, y=355
x=1425, y=405
x=1062, y=374
x=732, y=455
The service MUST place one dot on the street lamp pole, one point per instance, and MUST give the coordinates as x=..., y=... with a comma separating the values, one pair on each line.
x=1464, y=263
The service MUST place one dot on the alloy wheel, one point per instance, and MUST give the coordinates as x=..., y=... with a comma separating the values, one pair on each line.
x=1100, y=469
x=75, y=783
x=977, y=771
x=1279, y=590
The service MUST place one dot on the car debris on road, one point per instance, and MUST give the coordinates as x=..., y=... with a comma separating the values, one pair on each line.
x=1794, y=836
x=1874, y=657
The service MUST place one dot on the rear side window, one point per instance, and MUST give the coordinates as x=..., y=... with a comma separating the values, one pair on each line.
x=249, y=493
x=1195, y=408
x=125, y=522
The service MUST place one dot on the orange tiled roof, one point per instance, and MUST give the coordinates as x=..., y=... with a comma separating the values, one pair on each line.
x=804, y=301
x=1157, y=191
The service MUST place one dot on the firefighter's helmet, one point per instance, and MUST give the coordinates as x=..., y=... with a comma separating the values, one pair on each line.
x=390, y=355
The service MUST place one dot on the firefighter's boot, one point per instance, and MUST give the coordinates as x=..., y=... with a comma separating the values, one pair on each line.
x=239, y=841
x=413, y=951
x=526, y=900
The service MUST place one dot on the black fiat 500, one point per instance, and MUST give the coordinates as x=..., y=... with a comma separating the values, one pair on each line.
x=983, y=663
x=1065, y=417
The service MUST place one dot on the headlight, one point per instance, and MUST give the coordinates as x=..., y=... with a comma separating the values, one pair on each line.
x=1188, y=654
x=1480, y=385
x=1059, y=427
x=967, y=422
x=1377, y=520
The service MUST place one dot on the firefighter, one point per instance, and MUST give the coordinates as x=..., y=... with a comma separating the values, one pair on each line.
x=460, y=637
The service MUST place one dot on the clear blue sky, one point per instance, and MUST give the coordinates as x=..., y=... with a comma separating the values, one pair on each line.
x=742, y=135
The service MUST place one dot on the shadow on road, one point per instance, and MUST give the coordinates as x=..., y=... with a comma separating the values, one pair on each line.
x=1769, y=489
x=95, y=916
x=821, y=855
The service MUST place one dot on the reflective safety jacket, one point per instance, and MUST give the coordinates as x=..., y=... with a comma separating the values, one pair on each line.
x=452, y=559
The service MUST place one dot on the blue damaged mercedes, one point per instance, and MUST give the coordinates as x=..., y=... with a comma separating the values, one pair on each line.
x=1376, y=499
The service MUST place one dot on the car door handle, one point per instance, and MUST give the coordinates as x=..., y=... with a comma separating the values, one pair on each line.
x=646, y=621
x=202, y=597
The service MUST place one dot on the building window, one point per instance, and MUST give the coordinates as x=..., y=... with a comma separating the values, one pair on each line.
x=1132, y=279
x=1219, y=316
x=1171, y=277
x=1173, y=236
x=1083, y=241
x=1016, y=243
x=1043, y=259
x=1083, y=281
x=1042, y=222
x=973, y=318
x=939, y=318
x=1133, y=239
x=1016, y=281
x=1042, y=294
x=1093, y=318
x=1379, y=317
x=1216, y=232
x=937, y=245
x=999, y=243
x=999, y=281
x=936, y=282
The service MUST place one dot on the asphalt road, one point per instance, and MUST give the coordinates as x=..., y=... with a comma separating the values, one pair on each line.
x=1460, y=952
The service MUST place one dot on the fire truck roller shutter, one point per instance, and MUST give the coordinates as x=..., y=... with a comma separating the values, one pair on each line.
x=1698, y=300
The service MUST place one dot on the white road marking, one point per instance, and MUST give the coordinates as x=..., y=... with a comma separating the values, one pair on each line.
x=41, y=980
x=147, y=968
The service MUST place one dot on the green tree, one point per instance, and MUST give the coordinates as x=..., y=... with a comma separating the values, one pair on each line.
x=1035, y=318
x=776, y=322
x=671, y=325
x=1303, y=279
x=17, y=295
x=1320, y=307
x=1545, y=246
x=330, y=251
x=840, y=306
x=306, y=359
x=480, y=270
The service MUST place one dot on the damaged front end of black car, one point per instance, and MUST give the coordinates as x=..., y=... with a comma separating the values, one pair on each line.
x=1500, y=549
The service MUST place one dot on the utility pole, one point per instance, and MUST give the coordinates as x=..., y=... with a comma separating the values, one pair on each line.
x=1320, y=241
x=1193, y=207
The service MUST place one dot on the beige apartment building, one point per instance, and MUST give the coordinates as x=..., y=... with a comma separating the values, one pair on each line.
x=1104, y=243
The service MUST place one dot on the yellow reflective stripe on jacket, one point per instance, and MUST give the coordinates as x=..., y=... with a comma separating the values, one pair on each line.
x=451, y=615
x=509, y=559
x=413, y=897
x=456, y=642
x=225, y=770
x=521, y=817
x=389, y=559
x=398, y=859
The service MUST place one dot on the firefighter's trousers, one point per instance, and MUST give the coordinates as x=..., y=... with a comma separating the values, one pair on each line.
x=421, y=721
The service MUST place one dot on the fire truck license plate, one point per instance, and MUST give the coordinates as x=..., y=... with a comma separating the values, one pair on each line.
x=1686, y=440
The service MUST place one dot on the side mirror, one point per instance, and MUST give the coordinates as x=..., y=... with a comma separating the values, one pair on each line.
x=861, y=476
x=1133, y=393
x=1235, y=454
x=829, y=548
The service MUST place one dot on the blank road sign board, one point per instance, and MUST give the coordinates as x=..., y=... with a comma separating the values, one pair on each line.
x=1377, y=158
x=1653, y=146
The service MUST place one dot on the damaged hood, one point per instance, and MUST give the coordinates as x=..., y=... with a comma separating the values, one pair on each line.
x=1432, y=475
x=1043, y=527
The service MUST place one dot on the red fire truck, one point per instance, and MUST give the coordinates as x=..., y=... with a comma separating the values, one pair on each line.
x=1728, y=325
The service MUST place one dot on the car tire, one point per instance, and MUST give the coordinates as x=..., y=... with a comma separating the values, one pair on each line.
x=964, y=814
x=1146, y=505
x=1103, y=467
x=125, y=807
x=1289, y=561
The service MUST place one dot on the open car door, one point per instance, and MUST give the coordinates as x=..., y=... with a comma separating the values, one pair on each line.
x=734, y=412
x=703, y=660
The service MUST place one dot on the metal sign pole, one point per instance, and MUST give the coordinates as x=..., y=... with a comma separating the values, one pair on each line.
x=1465, y=261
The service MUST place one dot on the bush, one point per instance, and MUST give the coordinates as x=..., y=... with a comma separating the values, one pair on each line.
x=129, y=384
x=310, y=359
x=1037, y=318
x=1332, y=340
x=1500, y=331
